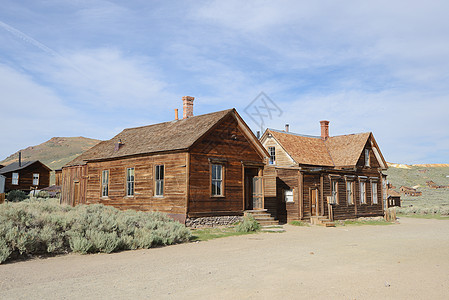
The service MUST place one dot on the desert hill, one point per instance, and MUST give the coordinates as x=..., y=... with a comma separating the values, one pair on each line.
x=417, y=175
x=55, y=152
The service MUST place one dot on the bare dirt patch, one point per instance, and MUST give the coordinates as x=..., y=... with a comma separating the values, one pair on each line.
x=403, y=261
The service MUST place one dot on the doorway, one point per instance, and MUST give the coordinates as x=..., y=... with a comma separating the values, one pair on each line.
x=314, y=208
x=253, y=189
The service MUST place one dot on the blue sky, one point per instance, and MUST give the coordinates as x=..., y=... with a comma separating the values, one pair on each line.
x=92, y=68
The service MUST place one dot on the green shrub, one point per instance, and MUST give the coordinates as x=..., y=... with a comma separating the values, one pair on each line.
x=43, y=194
x=34, y=227
x=249, y=224
x=16, y=196
x=298, y=223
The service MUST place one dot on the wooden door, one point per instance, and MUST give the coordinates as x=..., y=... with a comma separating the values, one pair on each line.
x=76, y=194
x=314, y=202
x=257, y=193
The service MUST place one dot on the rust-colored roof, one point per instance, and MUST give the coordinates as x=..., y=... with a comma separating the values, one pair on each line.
x=338, y=151
x=345, y=150
x=306, y=150
x=168, y=136
x=393, y=193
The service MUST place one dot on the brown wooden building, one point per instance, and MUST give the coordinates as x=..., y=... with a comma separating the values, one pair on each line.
x=26, y=176
x=198, y=166
x=316, y=177
x=409, y=191
x=393, y=199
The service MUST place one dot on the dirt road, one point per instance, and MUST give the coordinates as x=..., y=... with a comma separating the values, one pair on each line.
x=404, y=261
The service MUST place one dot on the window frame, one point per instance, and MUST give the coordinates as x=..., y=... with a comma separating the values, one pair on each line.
x=334, y=191
x=363, y=200
x=221, y=180
x=374, y=193
x=34, y=174
x=367, y=157
x=103, y=194
x=292, y=195
x=159, y=181
x=272, y=152
x=350, y=192
x=127, y=182
x=15, y=181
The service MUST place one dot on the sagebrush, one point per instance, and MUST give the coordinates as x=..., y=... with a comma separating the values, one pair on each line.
x=248, y=224
x=39, y=227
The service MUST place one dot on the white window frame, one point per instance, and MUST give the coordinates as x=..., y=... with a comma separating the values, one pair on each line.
x=288, y=196
x=350, y=192
x=217, y=181
x=35, y=178
x=374, y=193
x=367, y=160
x=334, y=191
x=159, y=176
x=362, y=192
x=272, y=152
x=15, y=178
x=130, y=181
x=105, y=183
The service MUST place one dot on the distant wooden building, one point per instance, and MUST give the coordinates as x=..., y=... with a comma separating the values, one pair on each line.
x=393, y=199
x=26, y=175
x=198, y=166
x=408, y=191
x=317, y=177
x=58, y=177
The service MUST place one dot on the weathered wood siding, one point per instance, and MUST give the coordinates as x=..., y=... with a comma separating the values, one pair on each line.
x=74, y=183
x=282, y=158
x=287, y=180
x=26, y=178
x=173, y=201
x=58, y=177
x=269, y=181
x=227, y=143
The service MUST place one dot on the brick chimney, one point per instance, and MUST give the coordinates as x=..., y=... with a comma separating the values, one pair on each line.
x=187, y=105
x=324, y=130
x=287, y=127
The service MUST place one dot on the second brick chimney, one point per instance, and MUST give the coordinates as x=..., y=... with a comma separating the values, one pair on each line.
x=187, y=106
x=324, y=130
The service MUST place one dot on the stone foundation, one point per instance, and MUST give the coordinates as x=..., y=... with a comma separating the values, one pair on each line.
x=212, y=221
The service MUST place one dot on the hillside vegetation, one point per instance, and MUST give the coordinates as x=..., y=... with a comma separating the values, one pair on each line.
x=432, y=201
x=55, y=152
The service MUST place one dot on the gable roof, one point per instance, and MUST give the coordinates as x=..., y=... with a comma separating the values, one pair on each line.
x=308, y=150
x=336, y=151
x=168, y=136
x=15, y=166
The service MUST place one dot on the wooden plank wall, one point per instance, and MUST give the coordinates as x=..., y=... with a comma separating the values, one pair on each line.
x=173, y=201
x=71, y=177
x=287, y=180
x=26, y=178
x=228, y=143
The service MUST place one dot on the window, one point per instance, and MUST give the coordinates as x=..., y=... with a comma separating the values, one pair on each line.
x=15, y=178
x=105, y=183
x=36, y=179
x=217, y=180
x=288, y=196
x=272, y=152
x=159, y=176
x=362, y=192
x=374, y=192
x=366, y=157
x=334, y=191
x=130, y=182
x=350, y=192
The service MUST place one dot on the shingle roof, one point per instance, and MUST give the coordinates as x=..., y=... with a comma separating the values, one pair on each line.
x=168, y=136
x=303, y=149
x=343, y=150
x=393, y=193
x=346, y=149
x=15, y=166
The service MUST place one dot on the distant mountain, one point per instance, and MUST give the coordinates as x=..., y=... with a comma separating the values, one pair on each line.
x=55, y=152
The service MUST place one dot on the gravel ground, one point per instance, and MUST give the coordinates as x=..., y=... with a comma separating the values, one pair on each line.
x=409, y=260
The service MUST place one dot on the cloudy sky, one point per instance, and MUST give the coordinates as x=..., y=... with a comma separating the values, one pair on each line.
x=93, y=67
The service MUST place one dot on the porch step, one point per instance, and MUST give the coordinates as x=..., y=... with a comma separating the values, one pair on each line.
x=271, y=228
x=321, y=220
x=262, y=217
